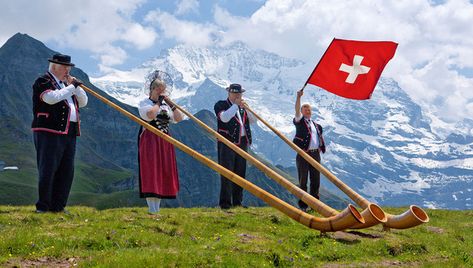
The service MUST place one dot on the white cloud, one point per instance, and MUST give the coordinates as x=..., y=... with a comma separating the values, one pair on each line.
x=434, y=40
x=94, y=26
x=183, y=31
x=111, y=56
x=187, y=6
x=141, y=37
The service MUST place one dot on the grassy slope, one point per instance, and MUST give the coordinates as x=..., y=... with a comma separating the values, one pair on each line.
x=201, y=237
x=20, y=187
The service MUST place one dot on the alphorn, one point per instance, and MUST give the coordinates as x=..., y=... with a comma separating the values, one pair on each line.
x=372, y=214
x=347, y=218
x=411, y=218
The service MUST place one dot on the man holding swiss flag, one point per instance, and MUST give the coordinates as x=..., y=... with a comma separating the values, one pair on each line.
x=351, y=69
x=309, y=138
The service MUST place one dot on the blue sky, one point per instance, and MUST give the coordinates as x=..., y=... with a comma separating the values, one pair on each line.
x=433, y=63
x=203, y=14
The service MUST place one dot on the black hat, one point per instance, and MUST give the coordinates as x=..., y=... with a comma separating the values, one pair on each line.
x=235, y=88
x=61, y=59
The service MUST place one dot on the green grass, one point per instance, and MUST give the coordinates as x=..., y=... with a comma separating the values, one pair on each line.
x=90, y=178
x=202, y=237
x=91, y=182
x=91, y=186
x=129, y=198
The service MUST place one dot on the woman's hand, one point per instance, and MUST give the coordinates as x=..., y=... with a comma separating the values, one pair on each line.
x=168, y=101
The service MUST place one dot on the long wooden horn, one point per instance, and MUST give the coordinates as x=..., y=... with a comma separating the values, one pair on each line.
x=372, y=213
x=348, y=217
x=314, y=203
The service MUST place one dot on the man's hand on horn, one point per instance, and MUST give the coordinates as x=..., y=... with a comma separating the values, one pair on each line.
x=243, y=104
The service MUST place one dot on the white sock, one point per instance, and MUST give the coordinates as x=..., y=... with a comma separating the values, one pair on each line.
x=157, y=204
x=151, y=208
x=153, y=204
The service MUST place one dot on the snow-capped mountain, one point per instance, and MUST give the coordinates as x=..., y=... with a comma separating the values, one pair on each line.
x=384, y=147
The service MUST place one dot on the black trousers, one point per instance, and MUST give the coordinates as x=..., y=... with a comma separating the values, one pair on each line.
x=230, y=193
x=55, y=160
x=304, y=169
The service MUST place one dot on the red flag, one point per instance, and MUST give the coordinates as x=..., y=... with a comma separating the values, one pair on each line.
x=351, y=69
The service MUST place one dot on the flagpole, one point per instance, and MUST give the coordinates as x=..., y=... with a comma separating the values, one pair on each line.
x=306, y=82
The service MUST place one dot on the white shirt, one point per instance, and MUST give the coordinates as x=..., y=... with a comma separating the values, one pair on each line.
x=227, y=115
x=314, y=137
x=73, y=115
x=145, y=105
x=65, y=93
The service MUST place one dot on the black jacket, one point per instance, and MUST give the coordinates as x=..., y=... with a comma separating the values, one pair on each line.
x=51, y=118
x=304, y=135
x=231, y=129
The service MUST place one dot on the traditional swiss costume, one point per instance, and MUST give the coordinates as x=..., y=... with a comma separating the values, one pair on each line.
x=158, y=176
x=309, y=138
x=233, y=122
x=56, y=123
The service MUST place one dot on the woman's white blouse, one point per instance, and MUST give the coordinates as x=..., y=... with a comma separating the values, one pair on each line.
x=145, y=105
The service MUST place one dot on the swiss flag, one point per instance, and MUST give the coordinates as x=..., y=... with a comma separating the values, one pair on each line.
x=351, y=68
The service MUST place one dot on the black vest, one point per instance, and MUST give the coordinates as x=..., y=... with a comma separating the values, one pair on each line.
x=231, y=129
x=162, y=120
x=304, y=135
x=51, y=118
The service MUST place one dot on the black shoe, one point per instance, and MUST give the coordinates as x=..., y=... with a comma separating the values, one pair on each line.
x=225, y=207
x=303, y=206
x=62, y=211
x=304, y=209
x=39, y=211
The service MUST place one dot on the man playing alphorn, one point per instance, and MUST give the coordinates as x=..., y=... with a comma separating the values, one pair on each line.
x=233, y=122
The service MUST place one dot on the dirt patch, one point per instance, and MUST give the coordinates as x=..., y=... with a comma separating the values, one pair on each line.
x=350, y=237
x=378, y=264
x=353, y=235
x=43, y=262
x=434, y=229
x=435, y=262
x=345, y=237
x=364, y=235
x=246, y=238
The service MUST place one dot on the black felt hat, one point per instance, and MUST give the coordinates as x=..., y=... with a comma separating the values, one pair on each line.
x=61, y=59
x=235, y=88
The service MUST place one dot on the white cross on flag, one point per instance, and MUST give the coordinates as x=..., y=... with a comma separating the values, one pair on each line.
x=351, y=69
